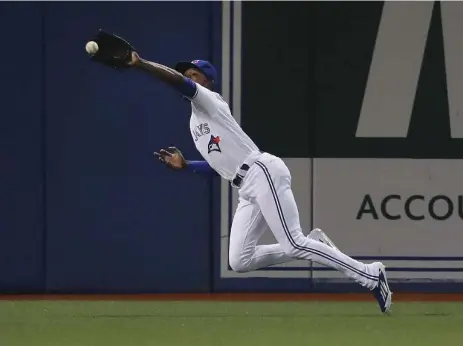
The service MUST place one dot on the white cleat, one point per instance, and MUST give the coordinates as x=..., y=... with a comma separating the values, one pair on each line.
x=382, y=291
x=318, y=235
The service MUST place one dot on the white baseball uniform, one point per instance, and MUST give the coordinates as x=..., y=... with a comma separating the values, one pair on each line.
x=266, y=201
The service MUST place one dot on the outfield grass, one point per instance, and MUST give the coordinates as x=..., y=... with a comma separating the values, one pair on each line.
x=123, y=323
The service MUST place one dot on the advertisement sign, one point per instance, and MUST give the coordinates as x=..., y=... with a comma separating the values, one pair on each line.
x=407, y=213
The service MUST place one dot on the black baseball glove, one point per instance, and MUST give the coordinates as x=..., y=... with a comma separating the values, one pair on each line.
x=113, y=50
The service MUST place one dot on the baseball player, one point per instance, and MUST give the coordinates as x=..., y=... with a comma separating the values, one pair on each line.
x=266, y=201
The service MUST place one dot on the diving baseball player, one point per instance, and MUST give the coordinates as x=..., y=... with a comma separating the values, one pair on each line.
x=266, y=201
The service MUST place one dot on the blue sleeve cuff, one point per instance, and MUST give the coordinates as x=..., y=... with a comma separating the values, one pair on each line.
x=188, y=88
x=199, y=166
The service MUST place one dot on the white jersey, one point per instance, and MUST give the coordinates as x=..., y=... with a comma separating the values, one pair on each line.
x=217, y=135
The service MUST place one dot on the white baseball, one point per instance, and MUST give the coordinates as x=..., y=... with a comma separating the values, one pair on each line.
x=91, y=47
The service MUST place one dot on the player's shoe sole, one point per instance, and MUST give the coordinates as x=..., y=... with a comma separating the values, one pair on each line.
x=382, y=291
x=318, y=235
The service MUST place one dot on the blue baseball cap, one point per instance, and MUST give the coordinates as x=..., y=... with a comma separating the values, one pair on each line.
x=202, y=65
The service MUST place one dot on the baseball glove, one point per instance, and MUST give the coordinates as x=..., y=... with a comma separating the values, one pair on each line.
x=113, y=50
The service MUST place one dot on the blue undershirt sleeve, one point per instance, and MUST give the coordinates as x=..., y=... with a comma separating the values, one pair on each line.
x=188, y=88
x=199, y=95
x=199, y=167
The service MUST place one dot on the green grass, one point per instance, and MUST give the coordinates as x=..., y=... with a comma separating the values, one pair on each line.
x=71, y=323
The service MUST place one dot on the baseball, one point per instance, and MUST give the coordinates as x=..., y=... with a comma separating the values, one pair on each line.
x=91, y=47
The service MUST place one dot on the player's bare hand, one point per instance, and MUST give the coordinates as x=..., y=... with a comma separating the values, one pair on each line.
x=172, y=157
x=135, y=59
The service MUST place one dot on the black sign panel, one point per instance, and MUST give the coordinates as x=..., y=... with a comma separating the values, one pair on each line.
x=277, y=76
x=305, y=72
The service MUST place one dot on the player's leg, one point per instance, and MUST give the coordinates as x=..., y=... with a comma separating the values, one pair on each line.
x=247, y=228
x=272, y=188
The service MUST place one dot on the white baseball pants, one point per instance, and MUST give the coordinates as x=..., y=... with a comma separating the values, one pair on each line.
x=266, y=202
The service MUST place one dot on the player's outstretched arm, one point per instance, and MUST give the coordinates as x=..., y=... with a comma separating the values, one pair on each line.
x=173, y=158
x=165, y=74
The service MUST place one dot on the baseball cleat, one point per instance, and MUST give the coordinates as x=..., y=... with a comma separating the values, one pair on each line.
x=382, y=292
x=318, y=235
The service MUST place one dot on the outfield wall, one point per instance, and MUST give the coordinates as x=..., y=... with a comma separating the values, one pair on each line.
x=362, y=101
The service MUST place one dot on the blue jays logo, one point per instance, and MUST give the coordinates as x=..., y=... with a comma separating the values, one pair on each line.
x=195, y=61
x=214, y=144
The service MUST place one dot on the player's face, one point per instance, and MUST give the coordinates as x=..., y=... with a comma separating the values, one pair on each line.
x=197, y=77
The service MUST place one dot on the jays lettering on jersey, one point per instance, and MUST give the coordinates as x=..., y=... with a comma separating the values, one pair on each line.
x=200, y=130
x=216, y=134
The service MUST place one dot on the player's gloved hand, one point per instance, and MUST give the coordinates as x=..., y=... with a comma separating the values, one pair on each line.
x=113, y=51
x=172, y=157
